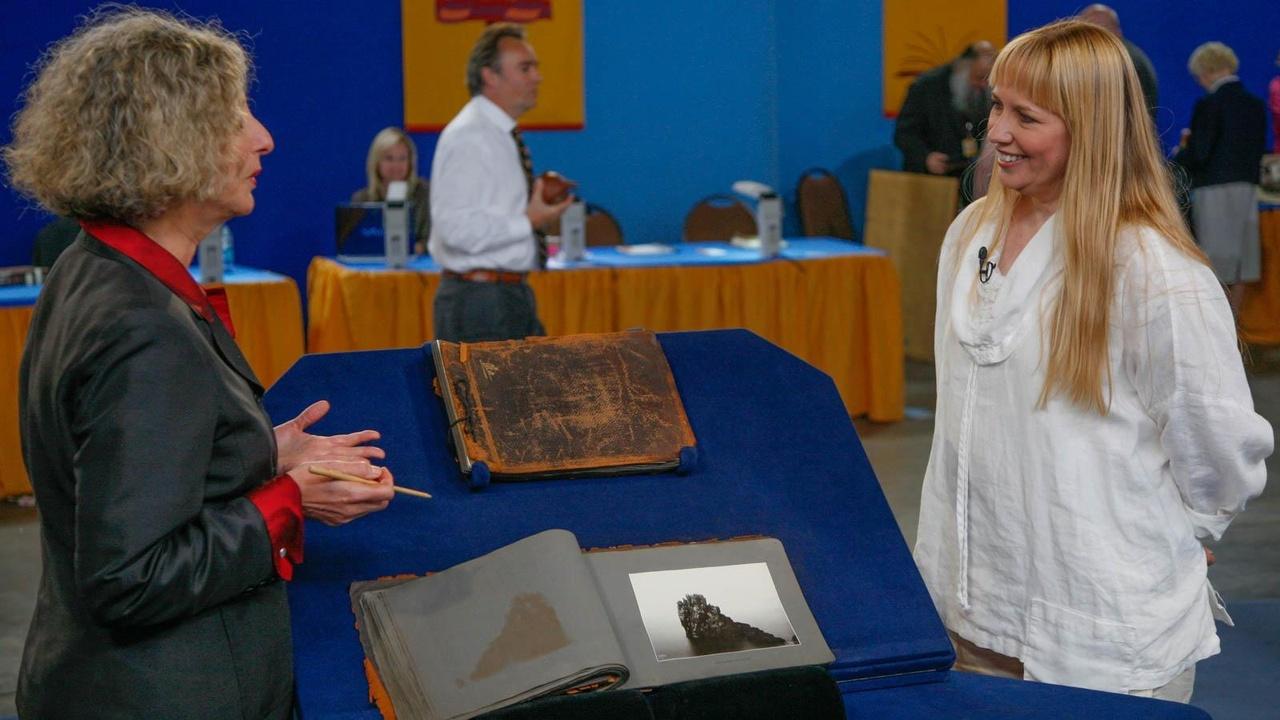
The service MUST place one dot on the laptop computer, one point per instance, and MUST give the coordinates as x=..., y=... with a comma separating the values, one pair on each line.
x=360, y=233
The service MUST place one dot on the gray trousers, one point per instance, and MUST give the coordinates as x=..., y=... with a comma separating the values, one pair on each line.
x=478, y=311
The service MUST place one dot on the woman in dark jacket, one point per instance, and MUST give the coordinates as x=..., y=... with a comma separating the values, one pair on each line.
x=170, y=509
x=1223, y=150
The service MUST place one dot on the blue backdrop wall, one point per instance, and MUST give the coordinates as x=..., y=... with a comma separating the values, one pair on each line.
x=681, y=99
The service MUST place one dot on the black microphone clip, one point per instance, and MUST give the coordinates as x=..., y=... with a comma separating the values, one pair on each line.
x=984, y=268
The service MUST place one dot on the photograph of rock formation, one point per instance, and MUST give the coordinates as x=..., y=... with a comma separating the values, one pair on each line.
x=711, y=610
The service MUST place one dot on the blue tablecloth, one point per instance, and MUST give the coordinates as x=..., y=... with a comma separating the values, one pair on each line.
x=716, y=253
x=673, y=254
x=19, y=295
x=23, y=295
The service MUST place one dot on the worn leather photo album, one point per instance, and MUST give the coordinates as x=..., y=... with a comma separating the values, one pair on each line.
x=540, y=618
x=592, y=404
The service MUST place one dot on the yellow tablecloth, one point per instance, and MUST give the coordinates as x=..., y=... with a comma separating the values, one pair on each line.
x=841, y=314
x=268, y=320
x=1260, y=310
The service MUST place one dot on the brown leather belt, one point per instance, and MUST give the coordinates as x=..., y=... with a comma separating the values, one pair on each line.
x=502, y=277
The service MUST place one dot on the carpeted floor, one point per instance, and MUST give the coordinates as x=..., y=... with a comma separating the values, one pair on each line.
x=1243, y=683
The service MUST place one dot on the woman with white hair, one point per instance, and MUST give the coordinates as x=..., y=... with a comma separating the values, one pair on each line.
x=1094, y=420
x=1223, y=151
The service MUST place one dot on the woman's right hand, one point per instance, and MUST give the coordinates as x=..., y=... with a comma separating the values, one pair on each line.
x=336, y=502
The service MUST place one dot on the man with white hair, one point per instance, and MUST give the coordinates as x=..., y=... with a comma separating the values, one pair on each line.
x=940, y=125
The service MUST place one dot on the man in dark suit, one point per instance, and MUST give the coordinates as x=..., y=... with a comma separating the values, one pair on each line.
x=1223, y=151
x=941, y=119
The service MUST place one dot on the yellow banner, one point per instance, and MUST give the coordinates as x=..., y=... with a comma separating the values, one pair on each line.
x=437, y=38
x=922, y=34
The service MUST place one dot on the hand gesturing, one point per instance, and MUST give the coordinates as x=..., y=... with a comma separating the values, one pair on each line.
x=294, y=445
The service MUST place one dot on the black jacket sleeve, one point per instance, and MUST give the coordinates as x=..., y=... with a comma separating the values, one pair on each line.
x=149, y=546
x=911, y=132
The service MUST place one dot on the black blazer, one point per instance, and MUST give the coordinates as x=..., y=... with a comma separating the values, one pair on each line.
x=142, y=429
x=1228, y=137
x=929, y=122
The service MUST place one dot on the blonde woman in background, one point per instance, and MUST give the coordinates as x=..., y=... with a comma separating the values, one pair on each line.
x=393, y=156
x=1094, y=420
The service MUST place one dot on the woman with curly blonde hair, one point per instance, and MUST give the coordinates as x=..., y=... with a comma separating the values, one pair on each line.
x=1094, y=420
x=170, y=509
x=394, y=157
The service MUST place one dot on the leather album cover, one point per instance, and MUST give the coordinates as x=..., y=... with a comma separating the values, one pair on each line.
x=561, y=406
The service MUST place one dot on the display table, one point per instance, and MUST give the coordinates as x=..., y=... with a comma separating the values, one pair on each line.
x=833, y=303
x=778, y=456
x=1260, y=310
x=266, y=311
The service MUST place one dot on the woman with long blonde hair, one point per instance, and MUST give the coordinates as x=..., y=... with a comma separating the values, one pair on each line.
x=394, y=156
x=1093, y=417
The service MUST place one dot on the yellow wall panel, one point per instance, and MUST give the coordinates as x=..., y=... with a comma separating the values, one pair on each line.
x=920, y=34
x=438, y=35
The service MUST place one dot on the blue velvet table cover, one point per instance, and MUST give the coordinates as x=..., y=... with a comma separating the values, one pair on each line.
x=778, y=456
x=964, y=696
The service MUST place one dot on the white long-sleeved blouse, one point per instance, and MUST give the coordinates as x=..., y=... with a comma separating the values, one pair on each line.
x=1063, y=537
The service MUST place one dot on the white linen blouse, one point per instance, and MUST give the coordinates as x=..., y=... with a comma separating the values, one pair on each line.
x=1066, y=538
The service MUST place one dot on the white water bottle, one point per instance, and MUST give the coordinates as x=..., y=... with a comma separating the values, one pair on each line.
x=228, y=249
x=395, y=224
x=769, y=224
x=573, y=232
x=210, y=255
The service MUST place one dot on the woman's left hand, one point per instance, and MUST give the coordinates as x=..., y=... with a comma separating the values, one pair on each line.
x=295, y=445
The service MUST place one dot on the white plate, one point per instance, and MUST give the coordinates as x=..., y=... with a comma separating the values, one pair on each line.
x=749, y=243
x=646, y=249
x=713, y=251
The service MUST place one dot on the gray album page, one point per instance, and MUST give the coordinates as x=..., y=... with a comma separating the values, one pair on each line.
x=507, y=625
x=686, y=612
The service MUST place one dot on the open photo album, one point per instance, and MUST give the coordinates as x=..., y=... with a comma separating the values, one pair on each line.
x=540, y=617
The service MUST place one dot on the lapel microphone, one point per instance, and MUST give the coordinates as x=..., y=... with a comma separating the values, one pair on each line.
x=984, y=268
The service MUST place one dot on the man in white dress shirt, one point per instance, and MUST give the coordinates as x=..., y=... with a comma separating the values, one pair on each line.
x=487, y=211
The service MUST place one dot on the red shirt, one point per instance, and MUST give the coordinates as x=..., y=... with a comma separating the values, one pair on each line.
x=279, y=500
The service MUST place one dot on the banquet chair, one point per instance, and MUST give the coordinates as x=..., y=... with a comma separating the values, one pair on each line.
x=822, y=205
x=718, y=217
x=601, y=227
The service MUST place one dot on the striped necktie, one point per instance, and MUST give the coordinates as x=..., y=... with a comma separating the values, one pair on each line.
x=526, y=164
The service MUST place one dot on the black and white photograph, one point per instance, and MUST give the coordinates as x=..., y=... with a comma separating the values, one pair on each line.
x=711, y=610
